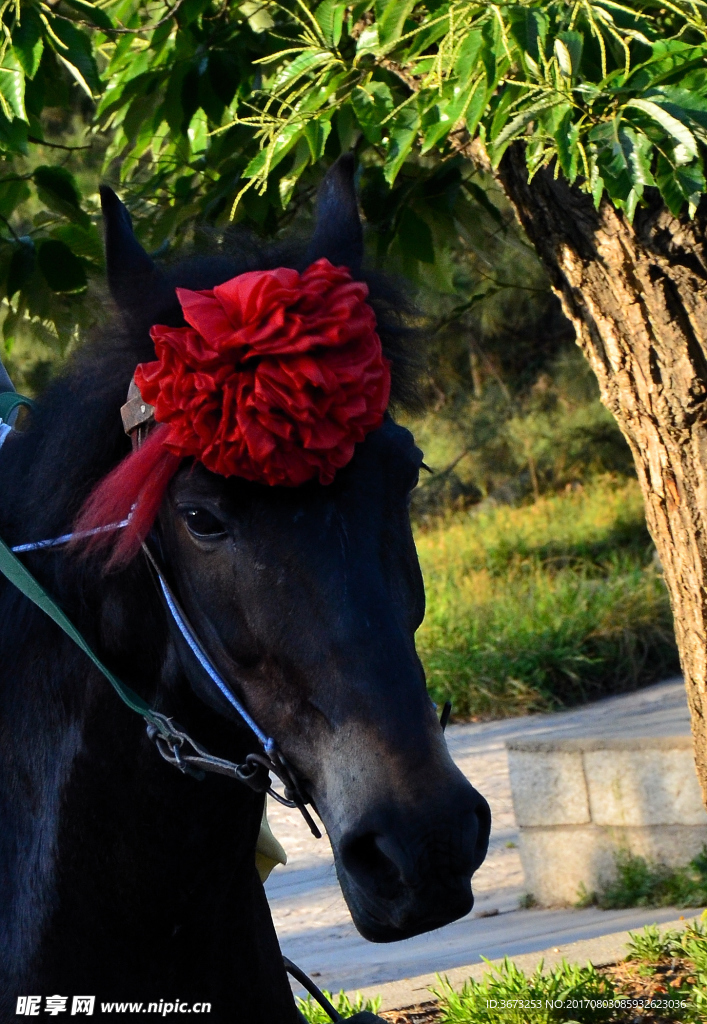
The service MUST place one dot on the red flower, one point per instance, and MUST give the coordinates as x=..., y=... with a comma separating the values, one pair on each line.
x=277, y=377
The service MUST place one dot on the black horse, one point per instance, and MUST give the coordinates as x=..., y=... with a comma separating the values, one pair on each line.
x=119, y=876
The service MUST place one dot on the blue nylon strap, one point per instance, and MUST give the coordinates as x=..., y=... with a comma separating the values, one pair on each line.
x=200, y=655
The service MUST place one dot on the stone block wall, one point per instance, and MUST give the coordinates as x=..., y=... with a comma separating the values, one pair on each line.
x=579, y=801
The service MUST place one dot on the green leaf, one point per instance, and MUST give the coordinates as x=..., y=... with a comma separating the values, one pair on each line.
x=21, y=266
x=12, y=87
x=76, y=55
x=286, y=185
x=12, y=193
x=572, y=44
x=680, y=132
x=316, y=132
x=468, y=60
x=58, y=190
x=330, y=18
x=438, y=121
x=27, y=42
x=303, y=62
x=390, y=18
x=13, y=135
x=92, y=12
x=84, y=242
x=490, y=51
x=566, y=142
x=687, y=105
x=416, y=237
x=638, y=149
x=679, y=185
x=372, y=104
x=259, y=18
x=563, y=58
x=62, y=270
x=289, y=136
x=368, y=41
x=403, y=132
x=516, y=126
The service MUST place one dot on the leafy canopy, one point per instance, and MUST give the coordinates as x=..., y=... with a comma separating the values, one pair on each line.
x=206, y=111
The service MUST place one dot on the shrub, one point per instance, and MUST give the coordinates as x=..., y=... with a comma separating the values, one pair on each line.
x=640, y=883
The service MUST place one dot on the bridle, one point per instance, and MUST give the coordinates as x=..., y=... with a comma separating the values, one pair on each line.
x=173, y=742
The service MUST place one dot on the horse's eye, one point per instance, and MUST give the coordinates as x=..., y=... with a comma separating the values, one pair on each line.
x=202, y=523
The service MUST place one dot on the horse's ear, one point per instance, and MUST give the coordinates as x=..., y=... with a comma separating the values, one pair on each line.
x=131, y=273
x=338, y=234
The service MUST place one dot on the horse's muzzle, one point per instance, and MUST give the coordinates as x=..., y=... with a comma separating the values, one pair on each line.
x=404, y=871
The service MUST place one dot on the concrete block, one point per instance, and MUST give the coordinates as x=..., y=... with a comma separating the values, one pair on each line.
x=643, y=787
x=580, y=801
x=557, y=862
x=548, y=787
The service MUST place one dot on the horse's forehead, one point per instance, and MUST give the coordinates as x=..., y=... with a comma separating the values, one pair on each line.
x=390, y=444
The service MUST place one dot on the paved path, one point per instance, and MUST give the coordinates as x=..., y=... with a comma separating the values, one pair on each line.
x=311, y=918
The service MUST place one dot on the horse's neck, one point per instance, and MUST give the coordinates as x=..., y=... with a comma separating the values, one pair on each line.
x=123, y=875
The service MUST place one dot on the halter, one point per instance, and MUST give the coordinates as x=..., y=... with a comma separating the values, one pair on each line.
x=174, y=744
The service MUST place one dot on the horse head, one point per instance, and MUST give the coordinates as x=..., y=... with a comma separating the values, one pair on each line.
x=306, y=599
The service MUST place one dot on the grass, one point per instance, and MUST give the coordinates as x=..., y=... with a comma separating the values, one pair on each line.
x=545, y=605
x=509, y=995
x=313, y=1012
x=659, y=968
x=671, y=967
x=640, y=883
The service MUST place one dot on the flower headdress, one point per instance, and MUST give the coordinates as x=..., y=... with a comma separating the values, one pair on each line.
x=276, y=378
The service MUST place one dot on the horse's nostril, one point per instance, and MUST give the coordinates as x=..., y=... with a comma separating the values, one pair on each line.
x=370, y=867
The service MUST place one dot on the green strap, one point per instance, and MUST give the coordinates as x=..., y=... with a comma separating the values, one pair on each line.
x=9, y=401
x=14, y=570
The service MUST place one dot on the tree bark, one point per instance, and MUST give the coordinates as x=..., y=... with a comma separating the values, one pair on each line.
x=637, y=296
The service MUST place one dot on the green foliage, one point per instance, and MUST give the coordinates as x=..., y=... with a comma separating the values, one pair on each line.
x=540, y=606
x=204, y=111
x=313, y=1012
x=643, y=884
x=616, y=94
x=565, y=993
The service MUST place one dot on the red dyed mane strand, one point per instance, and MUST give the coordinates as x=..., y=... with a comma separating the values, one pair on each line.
x=134, y=489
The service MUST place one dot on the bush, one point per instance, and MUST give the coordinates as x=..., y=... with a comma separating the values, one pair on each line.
x=546, y=605
x=640, y=883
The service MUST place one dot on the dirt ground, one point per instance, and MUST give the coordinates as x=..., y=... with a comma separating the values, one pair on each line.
x=423, y=1013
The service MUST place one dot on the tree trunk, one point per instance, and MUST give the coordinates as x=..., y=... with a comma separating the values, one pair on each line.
x=637, y=297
